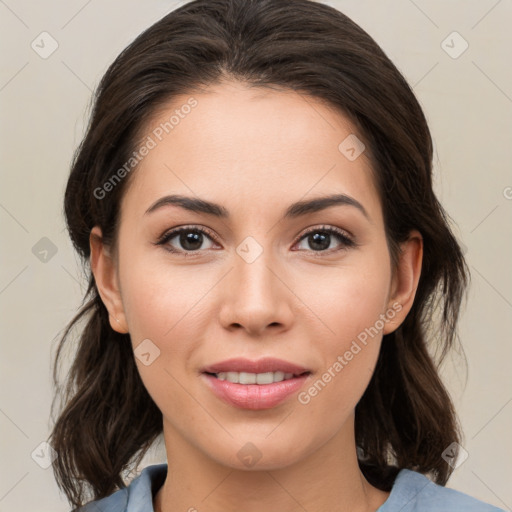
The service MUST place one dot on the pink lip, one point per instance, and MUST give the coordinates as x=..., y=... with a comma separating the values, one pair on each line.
x=264, y=365
x=254, y=396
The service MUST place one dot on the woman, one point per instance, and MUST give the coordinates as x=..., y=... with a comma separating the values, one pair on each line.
x=269, y=262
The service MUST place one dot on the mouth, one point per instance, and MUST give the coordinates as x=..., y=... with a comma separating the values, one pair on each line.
x=265, y=378
x=248, y=369
x=255, y=384
x=255, y=391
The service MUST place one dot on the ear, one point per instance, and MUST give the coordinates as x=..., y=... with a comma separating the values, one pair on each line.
x=405, y=280
x=103, y=267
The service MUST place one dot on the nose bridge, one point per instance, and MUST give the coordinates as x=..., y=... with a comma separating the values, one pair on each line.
x=255, y=297
x=254, y=277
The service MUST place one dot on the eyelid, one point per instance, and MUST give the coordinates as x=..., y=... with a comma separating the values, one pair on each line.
x=171, y=233
x=328, y=228
x=347, y=239
x=194, y=227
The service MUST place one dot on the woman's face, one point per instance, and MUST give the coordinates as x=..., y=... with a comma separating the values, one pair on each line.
x=267, y=279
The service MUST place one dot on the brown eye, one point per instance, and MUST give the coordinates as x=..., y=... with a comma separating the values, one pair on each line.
x=320, y=239
x=185, y=239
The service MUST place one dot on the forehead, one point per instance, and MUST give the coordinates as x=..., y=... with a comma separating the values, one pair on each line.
x=249, y=145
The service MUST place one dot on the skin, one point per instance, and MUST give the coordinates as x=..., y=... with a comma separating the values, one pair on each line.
x=255, y=152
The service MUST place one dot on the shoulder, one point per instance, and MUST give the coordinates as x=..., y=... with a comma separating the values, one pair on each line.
x=138, y=495
x=413, y=491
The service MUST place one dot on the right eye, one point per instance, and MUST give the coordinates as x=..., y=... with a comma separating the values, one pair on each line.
x=190, y=239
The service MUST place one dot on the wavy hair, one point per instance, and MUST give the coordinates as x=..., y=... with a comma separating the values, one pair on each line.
x=406, y=418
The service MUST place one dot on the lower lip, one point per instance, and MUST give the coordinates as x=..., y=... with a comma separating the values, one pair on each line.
x=255, y=396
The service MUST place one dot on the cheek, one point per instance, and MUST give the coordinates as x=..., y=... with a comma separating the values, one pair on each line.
x=350, y=303
x=162, y=304
x=347, y=298
x=165, y=304
x=158, y=298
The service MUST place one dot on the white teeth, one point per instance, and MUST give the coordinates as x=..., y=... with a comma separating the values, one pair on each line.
x=232, y=377
x=254, y=378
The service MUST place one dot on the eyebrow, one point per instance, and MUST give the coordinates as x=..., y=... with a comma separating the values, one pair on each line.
x=295, y=210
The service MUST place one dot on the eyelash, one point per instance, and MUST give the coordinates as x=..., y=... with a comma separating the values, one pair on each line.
x=346, y=242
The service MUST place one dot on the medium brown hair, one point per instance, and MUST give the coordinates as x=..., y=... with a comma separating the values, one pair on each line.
x=405, y=419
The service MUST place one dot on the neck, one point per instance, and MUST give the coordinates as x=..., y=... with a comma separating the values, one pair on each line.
x=328, y=478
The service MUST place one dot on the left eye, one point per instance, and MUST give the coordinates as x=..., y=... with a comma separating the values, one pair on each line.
x=320, y=239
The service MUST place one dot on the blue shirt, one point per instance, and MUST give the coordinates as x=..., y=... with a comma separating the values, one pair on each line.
x=411, y=492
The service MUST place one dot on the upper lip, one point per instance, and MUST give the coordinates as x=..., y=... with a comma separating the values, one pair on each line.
x=264, y=365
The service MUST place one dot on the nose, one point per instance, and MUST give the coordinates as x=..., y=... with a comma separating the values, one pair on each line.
x=256, y=297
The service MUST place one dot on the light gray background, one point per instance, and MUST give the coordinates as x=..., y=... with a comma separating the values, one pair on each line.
x=467, y=100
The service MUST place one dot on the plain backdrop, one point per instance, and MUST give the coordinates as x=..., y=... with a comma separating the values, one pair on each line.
x=466, y=93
